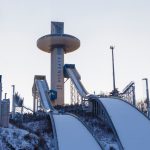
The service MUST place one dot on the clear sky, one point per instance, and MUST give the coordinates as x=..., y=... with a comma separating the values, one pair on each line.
x=97, y=23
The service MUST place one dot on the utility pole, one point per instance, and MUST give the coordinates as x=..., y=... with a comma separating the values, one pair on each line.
x=13, y=101
x=115, y=91
x=0, y=99
x=147, y=97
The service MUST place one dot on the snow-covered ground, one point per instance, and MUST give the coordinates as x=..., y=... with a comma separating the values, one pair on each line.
x=17, y=139
x=43, y=130
x=35, y=133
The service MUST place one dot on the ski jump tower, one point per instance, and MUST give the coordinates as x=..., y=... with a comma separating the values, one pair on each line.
x=57, y=44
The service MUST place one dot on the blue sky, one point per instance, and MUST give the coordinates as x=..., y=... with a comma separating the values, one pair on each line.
x=97, y=23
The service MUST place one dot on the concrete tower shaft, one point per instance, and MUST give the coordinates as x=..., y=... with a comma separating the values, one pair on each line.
x=57, y=63
x=57, y=43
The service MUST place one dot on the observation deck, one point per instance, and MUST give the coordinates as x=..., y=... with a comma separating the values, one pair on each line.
x=48, y=42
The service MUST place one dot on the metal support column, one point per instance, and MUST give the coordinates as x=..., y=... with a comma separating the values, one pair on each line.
x=147, y=97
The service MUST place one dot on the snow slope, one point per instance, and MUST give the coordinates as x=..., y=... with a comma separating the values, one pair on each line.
x=132, y=126
x=73, y=135
x=11, y=138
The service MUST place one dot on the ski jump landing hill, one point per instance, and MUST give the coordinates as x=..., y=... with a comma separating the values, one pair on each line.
x=132, y=127
x=68, y=131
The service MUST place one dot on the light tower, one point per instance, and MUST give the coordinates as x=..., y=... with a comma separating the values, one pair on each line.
x=114, y=91
x=57, y=44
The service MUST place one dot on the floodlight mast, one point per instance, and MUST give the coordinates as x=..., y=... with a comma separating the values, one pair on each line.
x=13, y=101
x=113, y=67
x=114, y=91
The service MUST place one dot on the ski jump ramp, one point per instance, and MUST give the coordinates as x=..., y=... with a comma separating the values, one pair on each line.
x=132, y=127
x=73, y=135
x=69, y=132
x=72, y=73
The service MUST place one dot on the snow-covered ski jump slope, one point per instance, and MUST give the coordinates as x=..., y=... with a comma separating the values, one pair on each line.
x=73, y=135
x=132, y=127
x=70, y=133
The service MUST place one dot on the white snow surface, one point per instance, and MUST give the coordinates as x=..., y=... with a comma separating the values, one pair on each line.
x=73, y=135
x=17, y=138
x=40, y=126
x=132, y=126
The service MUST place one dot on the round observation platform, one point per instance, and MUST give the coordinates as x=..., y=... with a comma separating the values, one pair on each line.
x=68, y=42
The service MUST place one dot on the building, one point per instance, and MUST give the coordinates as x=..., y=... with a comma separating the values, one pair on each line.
x=5, y=107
